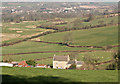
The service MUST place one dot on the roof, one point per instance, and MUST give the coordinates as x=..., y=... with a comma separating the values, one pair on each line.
x=6, y=64
x=79, y=62
x=60, y=58
x=40, y=65
x=14, y=62
x=22, y=62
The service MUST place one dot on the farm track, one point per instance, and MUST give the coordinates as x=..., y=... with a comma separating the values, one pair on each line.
x=51, y=52
x=50, y=32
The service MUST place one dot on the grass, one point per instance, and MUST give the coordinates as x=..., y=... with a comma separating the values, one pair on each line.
x=26, y=28
x=37, y=47
x=17, y=74
x=95, y=37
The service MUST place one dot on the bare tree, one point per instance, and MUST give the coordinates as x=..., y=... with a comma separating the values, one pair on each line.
x=67, y=38
x=115, y=65
x=77, y=23
x=90, y=63
x=73, y=55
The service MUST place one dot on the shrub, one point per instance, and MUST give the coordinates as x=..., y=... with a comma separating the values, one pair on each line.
x=31, y=62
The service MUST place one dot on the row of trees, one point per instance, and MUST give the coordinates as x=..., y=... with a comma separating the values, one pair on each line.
x=90, y=63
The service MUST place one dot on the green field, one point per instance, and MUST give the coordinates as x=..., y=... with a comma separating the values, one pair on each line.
x=94, y=37
x=17, y=74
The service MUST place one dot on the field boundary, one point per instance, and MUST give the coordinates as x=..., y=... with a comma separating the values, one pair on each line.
x=68, y=45
x=53, y=52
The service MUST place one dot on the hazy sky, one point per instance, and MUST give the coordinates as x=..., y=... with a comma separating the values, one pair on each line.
x=60, y=0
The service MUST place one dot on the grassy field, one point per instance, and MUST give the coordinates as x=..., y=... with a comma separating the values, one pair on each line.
x=80, y=23
x=36, y=47
x=95, y=37
x=21, y=30
x=17, y=74
x=103, y=56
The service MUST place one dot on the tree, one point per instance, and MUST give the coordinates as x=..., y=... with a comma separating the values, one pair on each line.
x=73, y=56
x=90, y=18
x=112, y=22
x=90, y=63
x=101, y=22
x=67, y=38
x=115, y=65
x=31, y=62
x=107, y=47
x=9, y=60
x=77, y=23
x=73, y=66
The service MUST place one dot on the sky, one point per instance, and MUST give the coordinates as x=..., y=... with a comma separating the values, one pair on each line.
x=59, y=0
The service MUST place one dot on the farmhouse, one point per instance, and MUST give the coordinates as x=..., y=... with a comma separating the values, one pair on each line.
x=64, y=62
x=60, y=61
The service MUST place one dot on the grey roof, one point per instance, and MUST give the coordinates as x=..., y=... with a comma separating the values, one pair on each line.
x=60, y=58
x=79, y=62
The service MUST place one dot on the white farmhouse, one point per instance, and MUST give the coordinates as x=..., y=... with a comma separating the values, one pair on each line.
x=60, y=62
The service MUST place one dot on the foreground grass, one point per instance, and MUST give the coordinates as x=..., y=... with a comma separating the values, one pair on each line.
x=21, y=74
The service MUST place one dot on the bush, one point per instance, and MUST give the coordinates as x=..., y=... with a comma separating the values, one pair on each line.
x=73, y=66
x=31, y=62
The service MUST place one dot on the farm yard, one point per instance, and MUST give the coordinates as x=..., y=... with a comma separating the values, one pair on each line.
x=88, y=37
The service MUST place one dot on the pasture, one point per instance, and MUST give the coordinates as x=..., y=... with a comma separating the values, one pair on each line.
x=103, y=36
x=18, y=74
